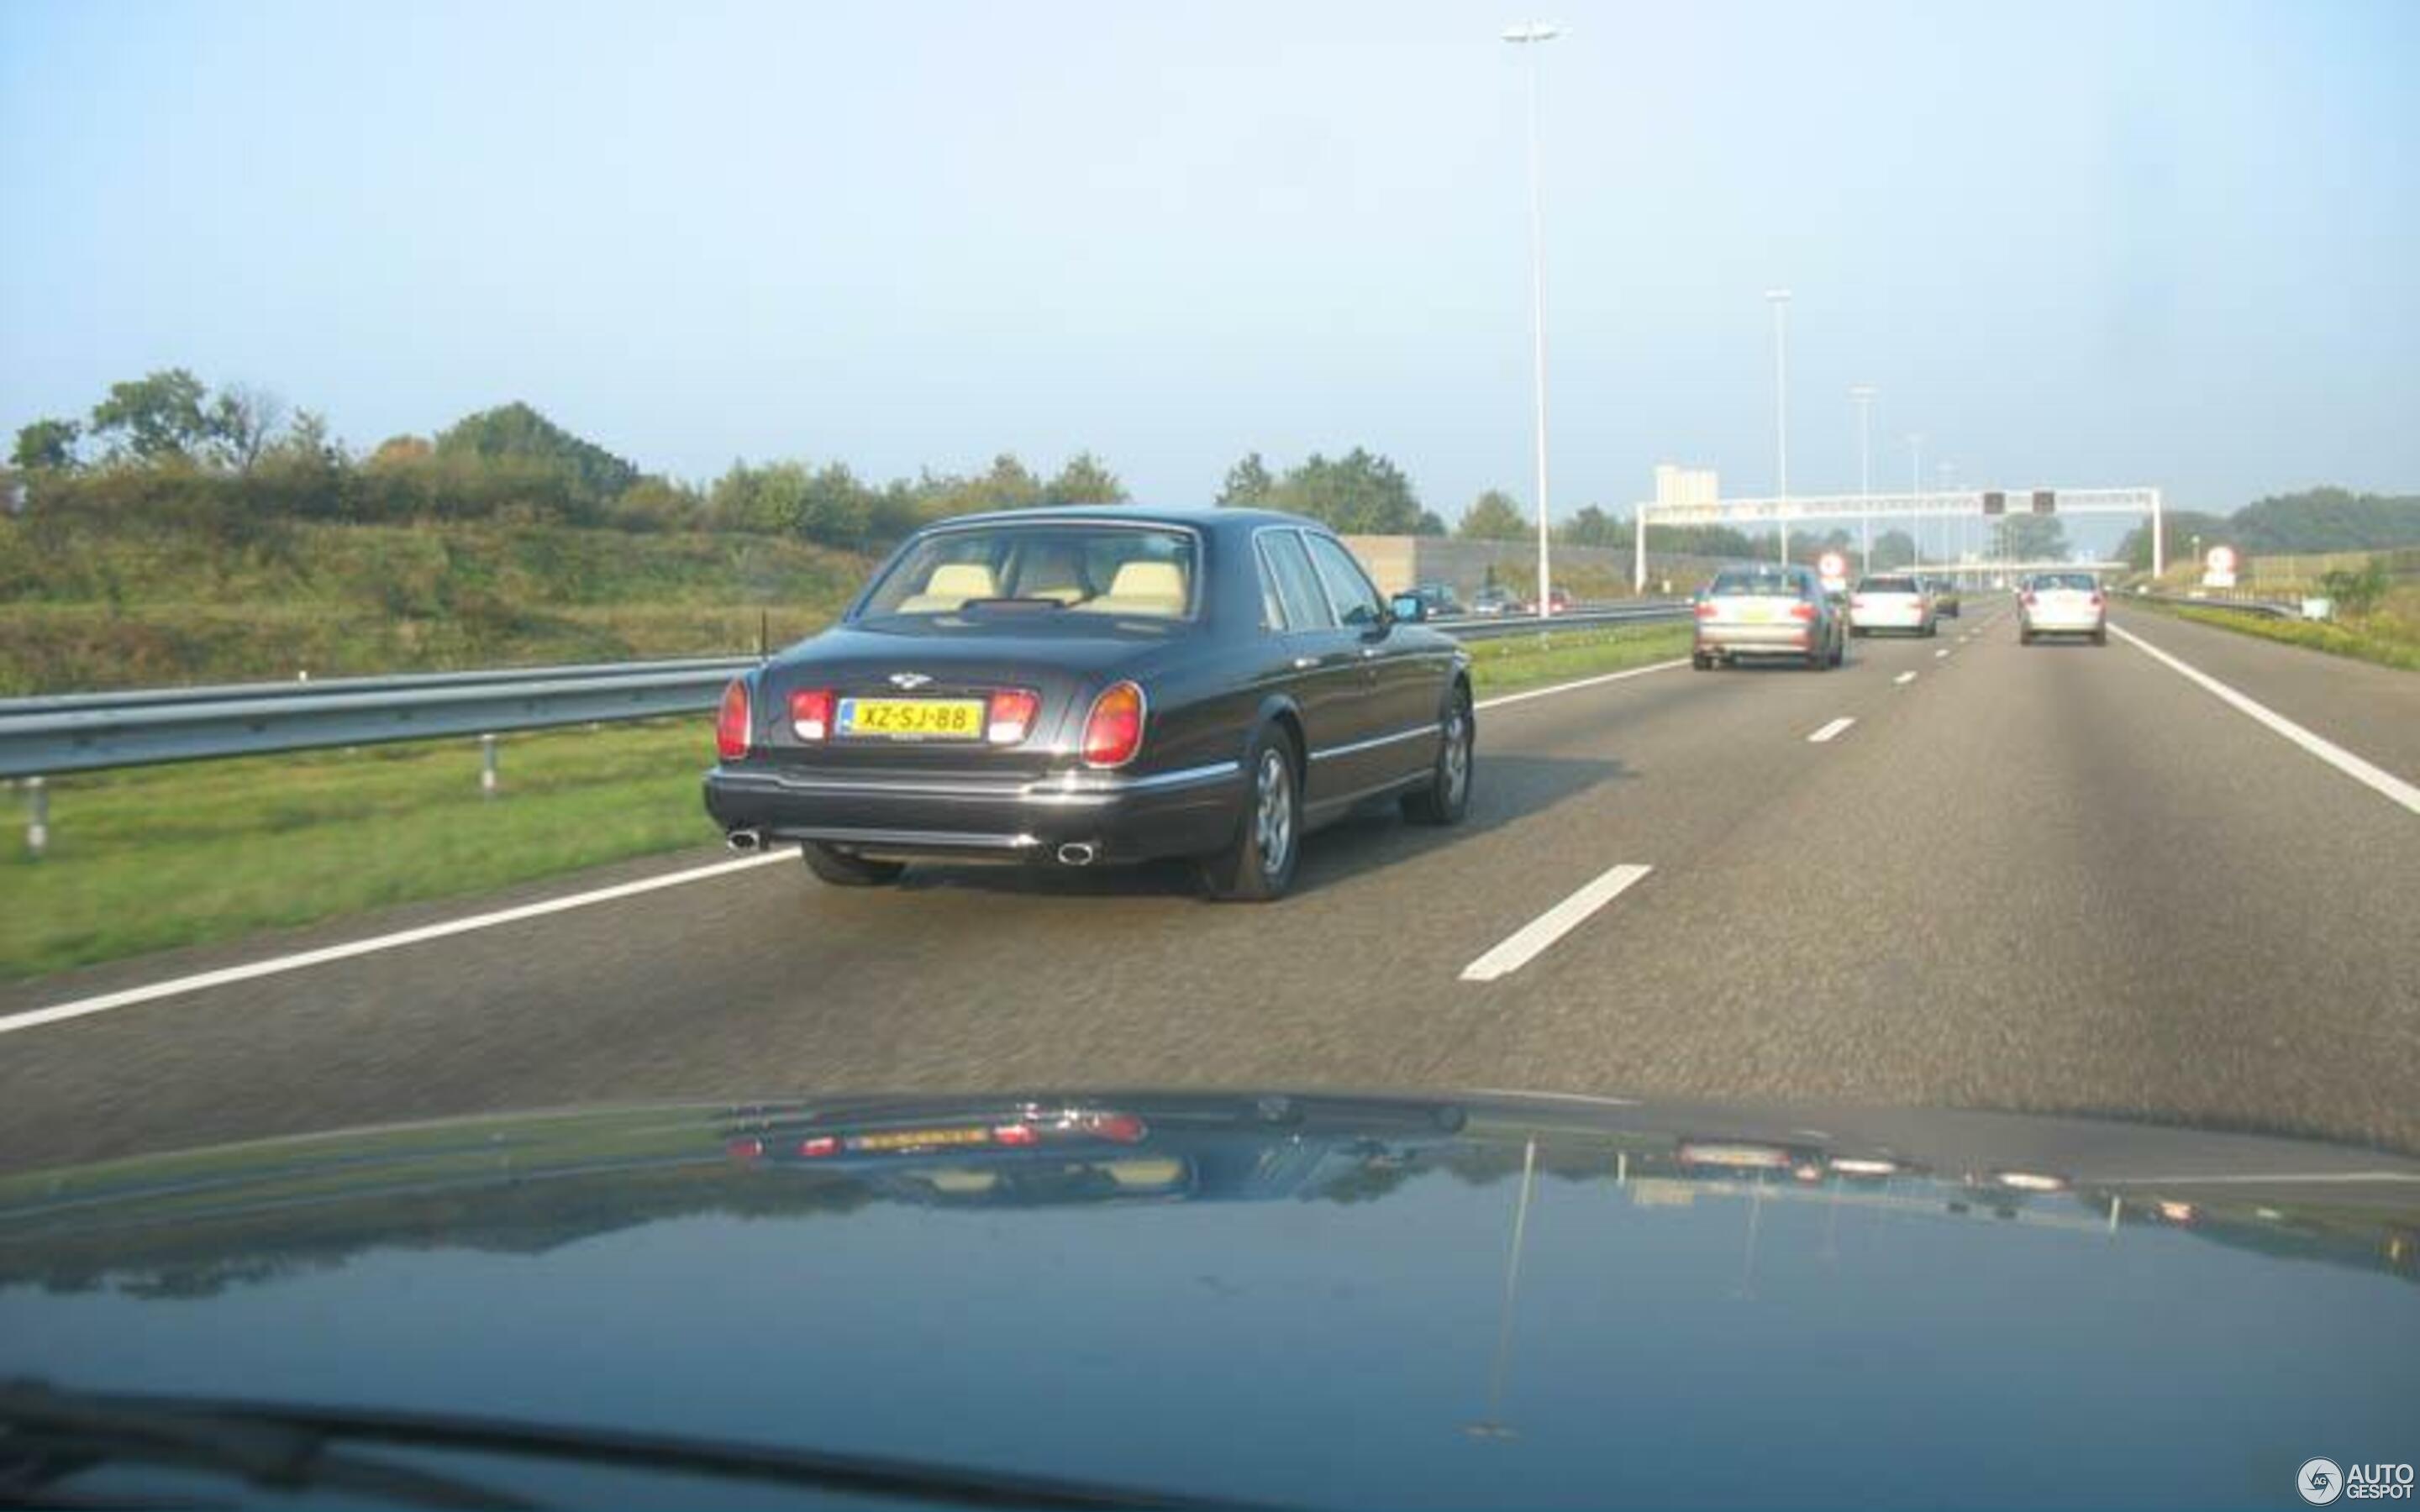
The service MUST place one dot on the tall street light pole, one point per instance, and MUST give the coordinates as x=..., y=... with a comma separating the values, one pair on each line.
x=1530, y=37
x=1916, y=485
x=1779, y=300
x=1940, y=472
x=1862, y=393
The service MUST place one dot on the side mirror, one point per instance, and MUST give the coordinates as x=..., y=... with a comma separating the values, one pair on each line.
x=1408, y=608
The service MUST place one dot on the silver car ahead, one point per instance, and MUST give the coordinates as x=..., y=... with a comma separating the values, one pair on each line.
x=1769, y=611
x=2062, y=603
x=1897, y=602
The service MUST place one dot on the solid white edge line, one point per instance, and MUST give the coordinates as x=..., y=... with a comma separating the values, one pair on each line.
x=2386, y=782
x=1502, y=698
x=277, y=965
x=1523, y=944
x=1835, y=727
x=1904, y=679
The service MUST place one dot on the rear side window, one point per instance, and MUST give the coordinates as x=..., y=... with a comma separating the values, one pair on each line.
x=1298, y=592
x=1737, y=585
x=1355, y=601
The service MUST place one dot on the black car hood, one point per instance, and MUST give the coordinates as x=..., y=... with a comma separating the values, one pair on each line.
x=1316, y=1300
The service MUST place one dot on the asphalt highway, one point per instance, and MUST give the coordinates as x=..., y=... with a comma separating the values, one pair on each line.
x=2056, y=878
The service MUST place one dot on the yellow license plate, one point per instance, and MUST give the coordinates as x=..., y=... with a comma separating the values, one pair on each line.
x=920, y=1138
x=1757, y=615
x=913, y=718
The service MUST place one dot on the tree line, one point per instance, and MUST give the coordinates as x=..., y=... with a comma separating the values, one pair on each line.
x=168, y=447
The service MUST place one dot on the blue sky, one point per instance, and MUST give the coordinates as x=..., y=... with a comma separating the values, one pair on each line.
x=2071, y=243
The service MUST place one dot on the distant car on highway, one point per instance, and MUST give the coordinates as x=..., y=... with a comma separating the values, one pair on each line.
x=1946, y=602
x=2062, y=603
x=1437, y=600
x=1894, y=602
x=1496, y=601
x=1769, y=611
x=1557, y=601
x=1086, y=686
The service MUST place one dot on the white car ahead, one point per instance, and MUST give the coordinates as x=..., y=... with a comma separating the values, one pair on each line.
x=2062, y=603
x=1894, y=603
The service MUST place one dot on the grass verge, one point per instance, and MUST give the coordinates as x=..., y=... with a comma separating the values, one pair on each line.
x=151, y=858
x=2388, y=635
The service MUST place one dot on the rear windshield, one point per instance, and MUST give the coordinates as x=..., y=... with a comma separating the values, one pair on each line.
x=2081, y=582
x=1757, y=585
x=1015, y=572
x=1888, y=585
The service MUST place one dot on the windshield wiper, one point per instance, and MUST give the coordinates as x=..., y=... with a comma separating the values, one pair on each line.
x=47, y=1436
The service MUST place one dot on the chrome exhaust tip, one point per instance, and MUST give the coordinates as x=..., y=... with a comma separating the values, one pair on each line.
x=746, y=841
x=1076, y=854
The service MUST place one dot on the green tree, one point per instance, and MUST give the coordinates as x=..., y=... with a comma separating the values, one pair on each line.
x=157, y=418
x=1893, y=548
x=2327, y=520
x=1430, y=523
x=2030, y=537
x=1084, y=481
x=1357, y=493
x=47, y=446
x=1592, y=526
x=1493, y=517
x=2179, y=526
x=242, y=421
x=516, y=431
x=1248, y=483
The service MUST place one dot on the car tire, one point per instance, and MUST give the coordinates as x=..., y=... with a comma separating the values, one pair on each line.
x=1447, y=797
x=2100, y=637
x=1248, y=871
x=1702, y=662
x=1841, y=652
x=841, y=870
x=2025, y=637
x=1859, y=630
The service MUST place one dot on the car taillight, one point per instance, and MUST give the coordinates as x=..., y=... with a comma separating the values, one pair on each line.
x=1802, y=611
x=1858, y=601
x=811, y=713
x=1706, y=610
x=2026, y=598
x=1012, y=716
x=1123, y=1128
x=818, y=1146
x=731, y=723
x=2099, y=602
x=1015, y=1134
x=1113, y=731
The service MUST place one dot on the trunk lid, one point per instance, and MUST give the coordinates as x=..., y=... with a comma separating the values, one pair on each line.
x=876, y=674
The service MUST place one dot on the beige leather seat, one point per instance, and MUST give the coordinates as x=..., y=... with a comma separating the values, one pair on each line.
x=1153, y=589
x=951, y=584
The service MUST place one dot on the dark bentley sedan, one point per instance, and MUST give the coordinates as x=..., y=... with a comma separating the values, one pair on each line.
x=1098, y=685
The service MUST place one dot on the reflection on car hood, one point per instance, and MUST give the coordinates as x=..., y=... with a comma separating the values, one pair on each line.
x=1312, y=1300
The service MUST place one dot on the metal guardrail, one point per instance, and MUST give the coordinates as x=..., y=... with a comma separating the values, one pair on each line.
x=90, y=731
x=1490, y=626
x=2245, y=606
x=53, y=736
